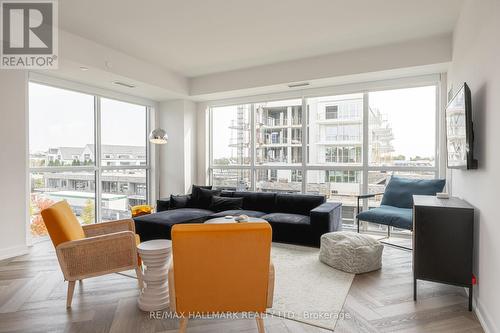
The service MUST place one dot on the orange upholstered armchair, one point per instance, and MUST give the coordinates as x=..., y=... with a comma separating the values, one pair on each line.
x=90, y=250
x=220, y=268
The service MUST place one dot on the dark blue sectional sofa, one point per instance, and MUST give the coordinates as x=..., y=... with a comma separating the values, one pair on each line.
x=295, y=218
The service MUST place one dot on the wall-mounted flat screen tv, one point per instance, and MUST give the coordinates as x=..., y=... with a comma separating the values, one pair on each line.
x=459, y=131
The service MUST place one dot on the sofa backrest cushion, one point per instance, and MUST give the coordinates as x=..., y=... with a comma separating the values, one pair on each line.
x=227, y=194
x=260, y=201
x=204, y=198
x=220, y=204
x=195, y=191
x=180, y=201
x=399, y=192
x=298, y=203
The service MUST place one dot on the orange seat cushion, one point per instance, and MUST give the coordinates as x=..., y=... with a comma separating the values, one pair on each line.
x=61, y=223
x=221, y=267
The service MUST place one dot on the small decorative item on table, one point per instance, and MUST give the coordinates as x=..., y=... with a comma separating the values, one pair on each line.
x=140, y=210
x=155, y=255
x=241, y=218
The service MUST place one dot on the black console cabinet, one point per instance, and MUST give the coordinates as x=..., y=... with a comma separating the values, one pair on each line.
x=442, y=241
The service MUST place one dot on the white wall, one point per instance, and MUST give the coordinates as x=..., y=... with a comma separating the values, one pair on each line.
x=13, y=165
x=178, y=166
x=476, y=60
x=190, y=144
x=202, y=149
x=413, y=53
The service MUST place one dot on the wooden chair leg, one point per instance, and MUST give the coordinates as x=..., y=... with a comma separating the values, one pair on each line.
x=183, y=326
x=260, y=324
x=71, y=289
x=140, y=280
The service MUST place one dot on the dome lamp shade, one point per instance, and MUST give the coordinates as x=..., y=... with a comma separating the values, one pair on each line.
x=158, y=136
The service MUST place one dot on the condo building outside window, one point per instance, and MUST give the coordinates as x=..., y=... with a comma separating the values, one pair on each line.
x=331, y=112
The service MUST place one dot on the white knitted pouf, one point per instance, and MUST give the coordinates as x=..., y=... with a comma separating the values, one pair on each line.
x=351, y=252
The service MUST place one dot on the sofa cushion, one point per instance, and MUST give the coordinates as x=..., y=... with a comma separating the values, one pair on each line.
x=286, y=218
x=162, y=204
x=297, y=203
x=220, y=204
x=195, y=191
x=180, y=215
x=179, y=201
x=159, y=225
x=260, y=201
x=399, y=192
x=236, y=212
x=204, y=198
x=389, y=215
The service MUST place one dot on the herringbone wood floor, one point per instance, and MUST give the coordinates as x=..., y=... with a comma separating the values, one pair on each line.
x=32, y=299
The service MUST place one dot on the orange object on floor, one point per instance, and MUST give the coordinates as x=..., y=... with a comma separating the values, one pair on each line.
x=219, y=268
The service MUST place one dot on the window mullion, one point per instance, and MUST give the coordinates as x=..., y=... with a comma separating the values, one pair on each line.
x=365, y=157
x=210, y=144
x=304, y=144
x=97, y=157
x=149, y=155
x=253, y=175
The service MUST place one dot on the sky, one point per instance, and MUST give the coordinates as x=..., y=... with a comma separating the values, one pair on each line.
x=222, y=134
x=63, y=118
x=410, y=112
x=412, y=115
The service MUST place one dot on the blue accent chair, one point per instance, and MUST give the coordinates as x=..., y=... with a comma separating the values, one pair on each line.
x=396, y=208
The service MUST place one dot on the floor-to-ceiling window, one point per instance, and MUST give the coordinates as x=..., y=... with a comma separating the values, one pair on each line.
x=336, y=145
x=88, y=150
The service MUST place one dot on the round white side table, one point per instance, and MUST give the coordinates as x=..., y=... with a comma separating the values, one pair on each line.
x=230, y=219
x=155, y=255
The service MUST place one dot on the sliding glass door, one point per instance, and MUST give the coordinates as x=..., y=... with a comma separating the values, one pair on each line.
x=88, y=150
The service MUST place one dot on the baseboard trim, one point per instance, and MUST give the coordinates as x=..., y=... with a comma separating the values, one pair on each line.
x=484, y=318
x=13, y=251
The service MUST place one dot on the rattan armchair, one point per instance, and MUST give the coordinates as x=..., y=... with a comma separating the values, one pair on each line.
x=97, y=249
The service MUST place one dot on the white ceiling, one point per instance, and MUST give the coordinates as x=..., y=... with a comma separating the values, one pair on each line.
x=198, y=37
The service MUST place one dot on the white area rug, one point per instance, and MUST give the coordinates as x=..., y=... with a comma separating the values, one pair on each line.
x=305, y=289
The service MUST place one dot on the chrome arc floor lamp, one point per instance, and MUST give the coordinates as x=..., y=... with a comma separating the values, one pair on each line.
x=158, y=136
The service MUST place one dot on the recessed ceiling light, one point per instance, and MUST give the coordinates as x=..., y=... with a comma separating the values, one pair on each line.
x=300, y=84
x=83, y=68
x=123, y=84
